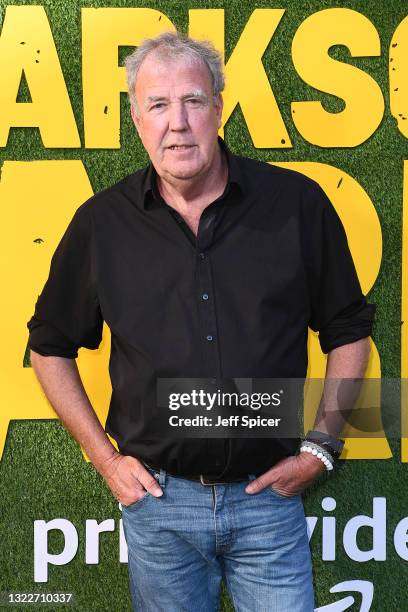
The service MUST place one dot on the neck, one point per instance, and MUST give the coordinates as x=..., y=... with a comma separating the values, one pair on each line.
x=196, y=194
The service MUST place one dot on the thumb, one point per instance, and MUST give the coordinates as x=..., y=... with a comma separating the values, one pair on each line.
x=149, y=483
x=258, y=484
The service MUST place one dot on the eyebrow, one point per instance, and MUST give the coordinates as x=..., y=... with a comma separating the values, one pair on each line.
x=151, y=99
x=197, y=93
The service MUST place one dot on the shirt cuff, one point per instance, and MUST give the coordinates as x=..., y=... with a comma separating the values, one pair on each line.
x=48, y=341
x=349, y=325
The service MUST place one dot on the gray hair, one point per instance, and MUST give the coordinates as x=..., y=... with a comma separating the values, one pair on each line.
x=170, y=45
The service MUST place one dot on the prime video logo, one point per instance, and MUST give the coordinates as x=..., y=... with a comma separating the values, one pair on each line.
x=331, y=540
x=363, y=587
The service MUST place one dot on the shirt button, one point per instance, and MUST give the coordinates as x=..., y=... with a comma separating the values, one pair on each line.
x=202, y=255
x=205, y=296
x=209, y=338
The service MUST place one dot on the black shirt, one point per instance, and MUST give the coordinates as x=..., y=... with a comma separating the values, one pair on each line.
x=270, y=260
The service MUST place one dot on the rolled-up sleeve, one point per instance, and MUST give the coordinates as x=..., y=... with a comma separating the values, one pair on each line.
x=339, y=310
x=67, y=314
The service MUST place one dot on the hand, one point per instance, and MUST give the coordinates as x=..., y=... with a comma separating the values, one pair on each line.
x=290, y=476
x=128, y=479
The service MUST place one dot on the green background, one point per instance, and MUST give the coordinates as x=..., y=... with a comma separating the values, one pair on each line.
x=42, y=473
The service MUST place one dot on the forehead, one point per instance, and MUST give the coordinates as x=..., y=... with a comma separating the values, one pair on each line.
x=163, y=72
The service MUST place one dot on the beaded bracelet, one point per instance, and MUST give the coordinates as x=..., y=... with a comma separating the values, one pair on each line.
x=319, y=452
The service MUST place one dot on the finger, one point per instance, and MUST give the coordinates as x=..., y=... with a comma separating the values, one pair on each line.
x=126, y=491
x=257, y=485
x=149, y=482
x=129, y=499
x=287, y=492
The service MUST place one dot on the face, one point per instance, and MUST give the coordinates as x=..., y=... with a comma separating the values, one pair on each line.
x=178, y=117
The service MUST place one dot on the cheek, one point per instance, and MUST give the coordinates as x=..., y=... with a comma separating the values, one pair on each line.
x=153, y=132
x=152, y=144
x=206, y=126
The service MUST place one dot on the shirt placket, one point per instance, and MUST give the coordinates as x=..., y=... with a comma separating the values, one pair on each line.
x=216, y=448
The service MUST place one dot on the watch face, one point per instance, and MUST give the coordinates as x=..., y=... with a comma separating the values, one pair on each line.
x=325, y=445
x=331, y=445
x=323, y=438
x=331, y=450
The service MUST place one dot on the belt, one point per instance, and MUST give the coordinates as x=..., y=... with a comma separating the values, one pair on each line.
x=205, y=480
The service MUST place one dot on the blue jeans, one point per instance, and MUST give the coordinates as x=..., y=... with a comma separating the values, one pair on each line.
x=182, y=544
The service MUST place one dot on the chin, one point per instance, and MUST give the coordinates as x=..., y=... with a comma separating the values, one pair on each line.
x=184, y=173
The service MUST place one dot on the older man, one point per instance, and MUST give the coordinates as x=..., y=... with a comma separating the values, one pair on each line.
x=206, y=266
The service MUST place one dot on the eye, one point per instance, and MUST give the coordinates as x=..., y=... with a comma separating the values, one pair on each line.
x=157, y=106
x=195, y=101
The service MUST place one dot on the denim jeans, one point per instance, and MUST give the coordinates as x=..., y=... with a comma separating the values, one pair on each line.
x=182, y=544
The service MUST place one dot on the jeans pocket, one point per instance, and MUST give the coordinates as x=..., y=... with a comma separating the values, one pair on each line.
x=136, y=503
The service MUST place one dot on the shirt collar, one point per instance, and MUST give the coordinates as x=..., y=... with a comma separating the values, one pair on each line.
x=150, y=193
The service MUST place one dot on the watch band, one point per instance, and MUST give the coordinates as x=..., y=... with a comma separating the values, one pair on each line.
x=333, y=445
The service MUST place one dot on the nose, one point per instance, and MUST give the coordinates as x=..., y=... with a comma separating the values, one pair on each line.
x=178, y=120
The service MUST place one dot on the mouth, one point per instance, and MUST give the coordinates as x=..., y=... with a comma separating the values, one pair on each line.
x=180, y=147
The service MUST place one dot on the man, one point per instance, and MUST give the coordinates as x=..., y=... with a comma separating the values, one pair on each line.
x=206, y=266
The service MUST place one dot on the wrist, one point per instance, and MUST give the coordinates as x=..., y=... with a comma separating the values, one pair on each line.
x=106, y=465
x=318, y=452
x=311, y=462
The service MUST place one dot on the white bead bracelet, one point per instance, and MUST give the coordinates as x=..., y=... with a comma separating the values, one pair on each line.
x=319, y=452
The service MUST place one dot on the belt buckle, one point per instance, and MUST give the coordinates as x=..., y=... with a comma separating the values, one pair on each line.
x=209, y=484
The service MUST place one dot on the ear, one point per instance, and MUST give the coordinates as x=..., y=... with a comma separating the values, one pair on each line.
x=219, y=105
